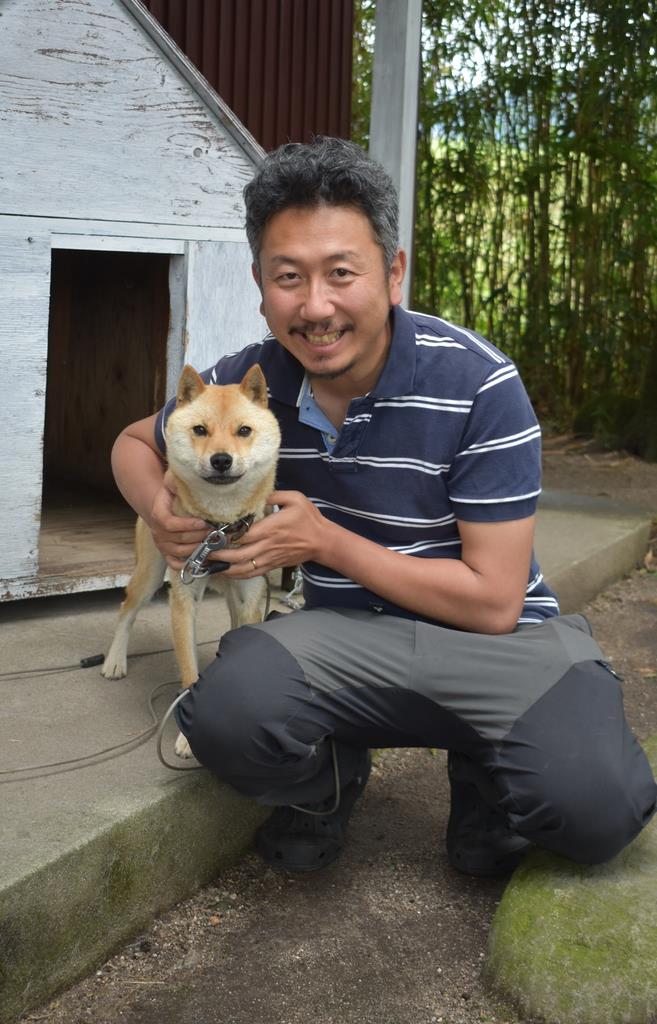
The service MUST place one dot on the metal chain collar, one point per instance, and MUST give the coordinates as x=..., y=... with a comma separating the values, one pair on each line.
x=220, y=536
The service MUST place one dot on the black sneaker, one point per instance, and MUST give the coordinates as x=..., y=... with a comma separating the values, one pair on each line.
x=479, y=839
x=293, y=840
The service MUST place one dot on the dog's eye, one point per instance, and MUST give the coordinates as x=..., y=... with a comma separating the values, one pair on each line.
x=200, y=430
x=244, y=431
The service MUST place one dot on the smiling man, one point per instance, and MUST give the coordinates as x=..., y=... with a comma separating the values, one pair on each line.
x=407, y=488
x=327, y=294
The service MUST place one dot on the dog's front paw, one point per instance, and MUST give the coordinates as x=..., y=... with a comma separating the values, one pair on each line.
x=114, y=668
x=182, y=747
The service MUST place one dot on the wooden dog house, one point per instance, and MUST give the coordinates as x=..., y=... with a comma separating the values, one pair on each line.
x=122, y=256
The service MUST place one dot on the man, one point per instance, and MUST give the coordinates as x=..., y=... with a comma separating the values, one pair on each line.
x=408, y=482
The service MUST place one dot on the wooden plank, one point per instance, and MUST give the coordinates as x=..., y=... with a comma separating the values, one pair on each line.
x=90, y=102
x=84, y=535
x=177, y=321
x=24, y=294
x=117, y=243
x=52, y=586
x=85, y=544
x=198, y=82
x=220, y=320
x=133, y=231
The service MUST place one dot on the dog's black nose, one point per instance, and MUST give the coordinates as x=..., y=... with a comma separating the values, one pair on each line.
x=221, y=461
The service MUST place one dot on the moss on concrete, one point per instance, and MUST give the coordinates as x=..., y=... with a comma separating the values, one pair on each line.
x=60, y=922
x=578, y=945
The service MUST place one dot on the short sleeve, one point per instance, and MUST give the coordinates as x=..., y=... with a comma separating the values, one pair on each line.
x=496, y=473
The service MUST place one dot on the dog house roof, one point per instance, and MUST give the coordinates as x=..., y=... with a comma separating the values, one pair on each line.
x=193, y=77
x=103, y=118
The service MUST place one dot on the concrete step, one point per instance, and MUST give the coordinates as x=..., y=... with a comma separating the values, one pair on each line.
x=584, y=543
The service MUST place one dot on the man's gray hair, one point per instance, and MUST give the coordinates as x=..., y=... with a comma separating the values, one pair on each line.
x=326, y=171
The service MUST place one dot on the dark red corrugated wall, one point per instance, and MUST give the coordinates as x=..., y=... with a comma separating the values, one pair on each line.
x=283, y=66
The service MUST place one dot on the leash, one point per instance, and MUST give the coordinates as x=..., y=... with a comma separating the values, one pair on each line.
x=195, y=568
x=9, y=775
x=220, y=536
x=160, y=732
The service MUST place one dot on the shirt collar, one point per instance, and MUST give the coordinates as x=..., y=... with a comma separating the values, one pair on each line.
x=285, y=375
x=398, y=374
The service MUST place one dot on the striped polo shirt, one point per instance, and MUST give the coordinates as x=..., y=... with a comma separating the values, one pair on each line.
x=448, y=433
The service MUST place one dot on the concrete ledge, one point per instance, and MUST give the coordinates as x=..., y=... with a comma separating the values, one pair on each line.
x=583, y=546
x=572, y=944
x=68, y=915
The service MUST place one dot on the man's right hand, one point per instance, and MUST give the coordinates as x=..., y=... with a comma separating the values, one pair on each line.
x=175, y=536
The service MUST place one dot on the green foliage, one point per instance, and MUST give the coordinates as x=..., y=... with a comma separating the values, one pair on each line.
x=536, y=200
x=363, y=47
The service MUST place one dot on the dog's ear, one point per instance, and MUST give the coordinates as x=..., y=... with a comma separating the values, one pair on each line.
x=254, y=385
x=190, y=386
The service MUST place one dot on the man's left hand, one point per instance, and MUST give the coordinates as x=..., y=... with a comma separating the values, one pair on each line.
x=290, y=536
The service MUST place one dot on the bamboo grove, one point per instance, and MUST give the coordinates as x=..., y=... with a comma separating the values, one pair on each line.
x=536, y=196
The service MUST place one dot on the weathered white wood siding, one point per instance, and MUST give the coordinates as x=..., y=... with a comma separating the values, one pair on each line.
x=96, y=123
x=222, y=302
x=24, y=295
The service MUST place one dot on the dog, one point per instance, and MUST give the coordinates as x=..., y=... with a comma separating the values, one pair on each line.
x=222, y=449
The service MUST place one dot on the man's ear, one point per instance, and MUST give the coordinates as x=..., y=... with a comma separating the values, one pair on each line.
x=258, y=281
x=396, y=277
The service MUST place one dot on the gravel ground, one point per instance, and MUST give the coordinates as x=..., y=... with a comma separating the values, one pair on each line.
x=390, y=934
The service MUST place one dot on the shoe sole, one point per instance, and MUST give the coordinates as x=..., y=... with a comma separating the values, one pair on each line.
x=482, y=865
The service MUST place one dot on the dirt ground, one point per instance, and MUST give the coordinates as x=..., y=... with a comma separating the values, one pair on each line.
x=390, y=934
x=582, y=467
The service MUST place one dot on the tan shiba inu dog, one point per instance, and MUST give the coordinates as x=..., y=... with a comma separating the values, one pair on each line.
x=222, y=447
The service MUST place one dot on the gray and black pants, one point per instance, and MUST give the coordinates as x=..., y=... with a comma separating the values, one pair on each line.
x=539, y=709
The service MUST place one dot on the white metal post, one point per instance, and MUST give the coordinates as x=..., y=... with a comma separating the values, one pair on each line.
x=393, y=120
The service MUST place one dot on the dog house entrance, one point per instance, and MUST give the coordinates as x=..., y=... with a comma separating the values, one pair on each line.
x=107, y=345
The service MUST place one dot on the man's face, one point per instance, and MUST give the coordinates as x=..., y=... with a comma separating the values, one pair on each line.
x=325, y=293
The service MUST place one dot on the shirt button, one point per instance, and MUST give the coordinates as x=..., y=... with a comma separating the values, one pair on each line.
x=332, y=438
